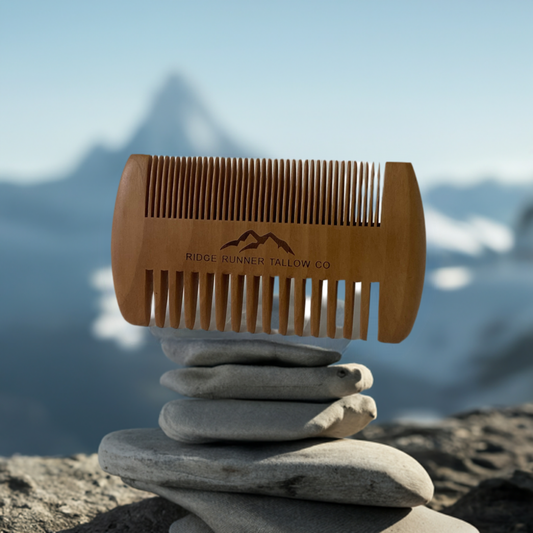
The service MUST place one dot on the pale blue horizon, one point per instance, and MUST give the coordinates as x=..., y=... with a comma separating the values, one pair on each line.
x=445, y=85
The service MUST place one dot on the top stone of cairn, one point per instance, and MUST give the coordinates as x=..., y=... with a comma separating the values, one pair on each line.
x=213, y=352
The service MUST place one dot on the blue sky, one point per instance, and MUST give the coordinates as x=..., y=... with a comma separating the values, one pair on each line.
x=447, y=85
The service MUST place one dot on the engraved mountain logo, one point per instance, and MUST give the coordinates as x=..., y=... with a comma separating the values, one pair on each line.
x=259, y=240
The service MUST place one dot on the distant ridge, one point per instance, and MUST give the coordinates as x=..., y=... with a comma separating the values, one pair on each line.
x=53, y=236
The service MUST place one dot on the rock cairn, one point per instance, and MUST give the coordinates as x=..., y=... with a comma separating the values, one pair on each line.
x=260, y=446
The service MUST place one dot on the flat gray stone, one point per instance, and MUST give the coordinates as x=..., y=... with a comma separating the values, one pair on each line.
x=335, y=470
x=201, y=421
x=253, y=382
x=190, y=524
x=212, y=352
x=244, y=513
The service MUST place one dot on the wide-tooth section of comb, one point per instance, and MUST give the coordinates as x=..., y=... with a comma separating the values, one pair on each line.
x=289, y=309
x=273, y=246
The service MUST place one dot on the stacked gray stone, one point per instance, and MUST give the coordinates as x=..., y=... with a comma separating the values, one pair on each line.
x=261, y=446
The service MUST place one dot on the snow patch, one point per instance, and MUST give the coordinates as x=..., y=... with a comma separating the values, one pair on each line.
x=471, y=237
x=110, y=325
x=451, y=278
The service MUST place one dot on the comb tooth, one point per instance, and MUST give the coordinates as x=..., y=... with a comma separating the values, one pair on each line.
x=290, y=319
x=206, y=298
x=288, y=187
x=340, y=202
x=359, y=193
x=316, y=306
x=259, y=189
x=148, y=293
x=215, y=189
x=256, y=177
x=221, y=185
x=347, y=196
x=241, y=192
x=298, y=215
x=321, y=177
x=225, y=167
x=157, y=197
x=175, y=186
x=237, y=290
x=185, y=196
x=208, y=206
x=311, y=219
x=335, y=193
x=371, y=207
x=353, y=203
x=160, y=296
x=365, y=197
x=267, y=303
x=270, y=196
x=273, y=188
x=175, y=298
x=308, y=193
x=262, y=192
x=147, y=198
x=231, y=171
x=181, y=187
x=241, y=200
x=292, y=191
x=170, y=190
x=329, y=189
x=299, y=306
x=203, y=190
x=252, y=301
x=316, y=196
x=153, y=184
x=278, y=175
x=221, y=300
x=348, y=309
x=378, y=199
x=342, y=191
x=193, y=188
x=365, y=309
x=332, y=308
x=191, y=298
x=284, y=177
x=343, y=195
x=164, y=186
x=284, y=303
x=249, y=189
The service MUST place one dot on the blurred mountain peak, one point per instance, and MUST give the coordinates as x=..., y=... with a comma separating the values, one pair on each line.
x=179, y=124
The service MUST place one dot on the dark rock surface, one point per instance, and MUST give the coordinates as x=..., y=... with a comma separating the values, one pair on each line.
x=461, y=451
x=481, y=463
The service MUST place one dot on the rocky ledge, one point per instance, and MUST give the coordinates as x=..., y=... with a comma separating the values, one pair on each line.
x=481, y=463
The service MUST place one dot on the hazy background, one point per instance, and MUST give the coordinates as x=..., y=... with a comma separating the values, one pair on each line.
x=445, y=85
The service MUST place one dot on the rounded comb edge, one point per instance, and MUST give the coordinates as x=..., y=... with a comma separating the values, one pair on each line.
x=404, y=266
x=133, y=287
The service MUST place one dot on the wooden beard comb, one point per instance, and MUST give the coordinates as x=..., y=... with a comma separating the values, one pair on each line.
x=268, y=246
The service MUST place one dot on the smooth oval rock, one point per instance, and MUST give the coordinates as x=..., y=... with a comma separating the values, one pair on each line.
x=334, y=470
x=252, y=382
x=189, y=524
x=201, y=421
x=213, y=352
x=244, y=513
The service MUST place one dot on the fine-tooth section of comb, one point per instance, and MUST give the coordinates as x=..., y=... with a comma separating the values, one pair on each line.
x=268, y=246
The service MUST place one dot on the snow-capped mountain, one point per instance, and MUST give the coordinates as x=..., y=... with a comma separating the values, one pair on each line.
x=73, y=370
x=59, y=381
